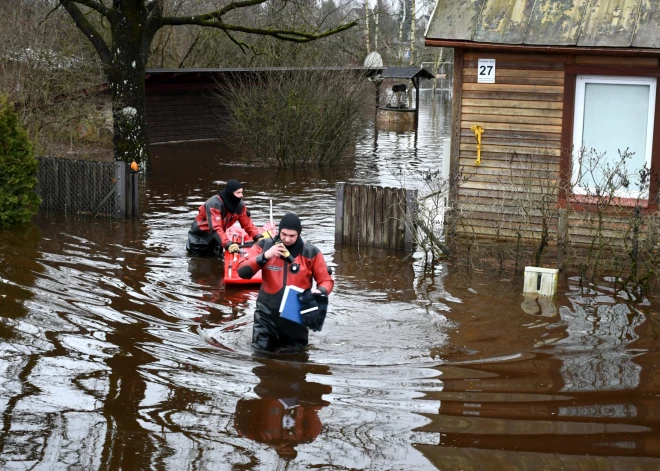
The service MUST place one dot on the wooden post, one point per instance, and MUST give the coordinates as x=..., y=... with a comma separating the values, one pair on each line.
x=457, y=97
x=415, y=82
x=411, y=219
x=400, y=228
x=346, y=231
x=562, y=235
x=360, y=212
x=369, y=216
x=339, y=214
x=355, y=218
x=378, y=217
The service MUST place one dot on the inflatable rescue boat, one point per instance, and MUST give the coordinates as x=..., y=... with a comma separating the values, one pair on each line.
x=237, y=235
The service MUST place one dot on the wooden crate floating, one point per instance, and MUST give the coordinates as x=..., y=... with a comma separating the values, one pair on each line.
x=375, y=216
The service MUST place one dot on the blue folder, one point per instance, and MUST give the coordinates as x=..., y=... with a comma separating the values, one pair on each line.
x=290, y=306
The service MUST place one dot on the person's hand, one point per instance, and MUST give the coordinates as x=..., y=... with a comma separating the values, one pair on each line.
x=232, y=247
x=312, y=310
x=277, y=250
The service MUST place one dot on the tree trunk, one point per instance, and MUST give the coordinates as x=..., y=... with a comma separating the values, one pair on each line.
x=377, y=29
x=413, y=27
x=403, y=21
x=127, y=85
x=367, y=29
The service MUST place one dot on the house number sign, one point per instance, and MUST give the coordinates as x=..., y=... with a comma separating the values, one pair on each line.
x=486, y=71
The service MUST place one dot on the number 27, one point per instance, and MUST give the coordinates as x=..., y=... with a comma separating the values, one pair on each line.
x=482, y=69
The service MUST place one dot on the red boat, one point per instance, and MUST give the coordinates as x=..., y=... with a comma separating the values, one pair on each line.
x=238, y=235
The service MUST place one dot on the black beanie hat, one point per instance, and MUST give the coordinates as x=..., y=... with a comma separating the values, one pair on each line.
x=232, y=186
x=292, y=222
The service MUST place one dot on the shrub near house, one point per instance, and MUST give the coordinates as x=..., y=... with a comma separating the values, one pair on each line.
x=18, y=200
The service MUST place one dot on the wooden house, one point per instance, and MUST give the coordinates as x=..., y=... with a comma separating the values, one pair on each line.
x=548, y=82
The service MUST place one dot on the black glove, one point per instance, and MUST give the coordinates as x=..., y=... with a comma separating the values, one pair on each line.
x=313, y=308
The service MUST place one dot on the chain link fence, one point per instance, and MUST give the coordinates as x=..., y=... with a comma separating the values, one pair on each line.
x=85, y=187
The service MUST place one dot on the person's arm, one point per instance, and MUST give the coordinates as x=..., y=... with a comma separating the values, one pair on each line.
x=246, y=223
x=214, y=219
x=324, y=282
x=257, y=256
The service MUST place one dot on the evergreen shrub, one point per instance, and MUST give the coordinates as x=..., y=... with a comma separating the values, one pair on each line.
x=18, y=167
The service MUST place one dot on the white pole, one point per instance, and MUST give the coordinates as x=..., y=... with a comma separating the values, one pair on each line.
x=272, y=226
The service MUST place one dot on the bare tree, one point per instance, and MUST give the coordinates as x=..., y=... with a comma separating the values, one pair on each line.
x=122, y=32
x=51, y=76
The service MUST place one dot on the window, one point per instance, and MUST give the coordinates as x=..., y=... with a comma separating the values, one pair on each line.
x=612, y=114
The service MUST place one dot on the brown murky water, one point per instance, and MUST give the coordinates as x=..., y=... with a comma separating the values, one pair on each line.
x=119, y=351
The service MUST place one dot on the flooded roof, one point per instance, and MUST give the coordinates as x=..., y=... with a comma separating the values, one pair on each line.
x=405, y=73
x=559, y=23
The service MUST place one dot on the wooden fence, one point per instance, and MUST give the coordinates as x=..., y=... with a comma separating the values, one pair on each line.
x=84, y=187
x=375, y=216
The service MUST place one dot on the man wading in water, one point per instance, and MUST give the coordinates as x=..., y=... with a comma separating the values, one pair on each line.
x=223, y=210
x=291, y=262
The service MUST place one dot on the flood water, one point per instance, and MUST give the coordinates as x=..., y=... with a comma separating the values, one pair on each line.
x=120, y=351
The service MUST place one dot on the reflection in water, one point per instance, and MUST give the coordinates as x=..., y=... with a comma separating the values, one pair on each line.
x=120, y=351
x=596, y=353
x=286, y=412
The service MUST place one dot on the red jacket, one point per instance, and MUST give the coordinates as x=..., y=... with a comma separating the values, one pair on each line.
x=213, y=209
x=269, y=421
x=276, y=274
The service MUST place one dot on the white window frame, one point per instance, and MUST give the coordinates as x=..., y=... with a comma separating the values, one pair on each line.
x=578, y=121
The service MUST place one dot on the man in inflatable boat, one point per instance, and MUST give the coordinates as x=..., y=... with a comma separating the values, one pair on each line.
x=284, y=261
x=223, y=210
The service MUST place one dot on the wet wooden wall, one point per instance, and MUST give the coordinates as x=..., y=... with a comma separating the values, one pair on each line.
x=184, y=115
x=526, y=141
x=375, y=216
x=521, y=115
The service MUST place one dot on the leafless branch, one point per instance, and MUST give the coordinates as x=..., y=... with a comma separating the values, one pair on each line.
x=88, y=30
x=93, y=4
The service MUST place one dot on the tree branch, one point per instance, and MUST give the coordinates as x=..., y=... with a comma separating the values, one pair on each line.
x=281, y=34
x=214, y=15
x=93, y=4
x=154, y=23
x=88, y=30
x=240, y=44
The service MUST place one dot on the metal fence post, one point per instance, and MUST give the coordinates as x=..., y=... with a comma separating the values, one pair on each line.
x=134, y=195
x=121, y=193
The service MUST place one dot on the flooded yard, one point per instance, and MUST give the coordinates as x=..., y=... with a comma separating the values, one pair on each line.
x=120, y=351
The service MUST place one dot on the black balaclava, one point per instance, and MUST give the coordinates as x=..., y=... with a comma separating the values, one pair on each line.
x=292, y=222
x=228, y=197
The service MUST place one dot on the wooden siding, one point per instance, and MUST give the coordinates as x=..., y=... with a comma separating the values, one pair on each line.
x=521, y=146
x=374, y=216
x=184, y=115
x=524, y=146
